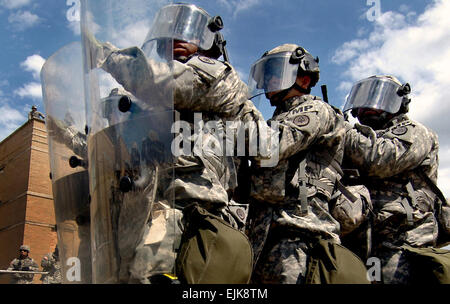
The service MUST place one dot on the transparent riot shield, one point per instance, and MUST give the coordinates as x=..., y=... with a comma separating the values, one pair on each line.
x=135, y=226
x=62, y=83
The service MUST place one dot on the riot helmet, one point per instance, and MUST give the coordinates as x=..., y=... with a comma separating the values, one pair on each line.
x=218, y=48
x=384, y=93
x=184, y=22
x=25, y=248
x=278, y=69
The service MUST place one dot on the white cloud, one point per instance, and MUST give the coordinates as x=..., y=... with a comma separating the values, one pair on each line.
x=31, y=90
x=238, y=6
x=129, y=29
x=23, y=20
x=10, y=120
x=34, y=65
x=11, y=4
x=416, y=49
x=132, y=34
x=74, y=26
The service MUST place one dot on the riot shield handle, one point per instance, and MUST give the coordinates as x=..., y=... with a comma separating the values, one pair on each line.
x=125, y=184
x=124, y=104
x=77, y=162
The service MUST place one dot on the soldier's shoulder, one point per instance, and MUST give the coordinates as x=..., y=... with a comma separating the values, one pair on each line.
x=48, y=256
x=311, y=103
x=325, y=105
x=409, y=130
x=410, y=125
x=211, y=67
x=319, y=102
x=421, y=127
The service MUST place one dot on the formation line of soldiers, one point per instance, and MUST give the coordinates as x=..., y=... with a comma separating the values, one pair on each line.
x=339, y=194
x=51, y=267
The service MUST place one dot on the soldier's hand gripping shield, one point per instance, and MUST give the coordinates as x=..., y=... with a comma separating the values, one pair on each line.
x=134, y=224
x=62, y=85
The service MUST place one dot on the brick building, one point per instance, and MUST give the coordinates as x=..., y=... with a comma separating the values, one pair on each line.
x=26, y=203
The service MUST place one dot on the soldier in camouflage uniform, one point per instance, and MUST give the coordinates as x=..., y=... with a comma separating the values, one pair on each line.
x=23, y=263
x=50, y=263
x=203, y=84
x=289, y=202
x=34, y=113
x=395, y=157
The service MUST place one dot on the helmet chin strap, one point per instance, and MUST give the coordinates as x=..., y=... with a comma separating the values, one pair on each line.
x=376, y=122
x=183, y=59
x=278, y=97
x=301, y=89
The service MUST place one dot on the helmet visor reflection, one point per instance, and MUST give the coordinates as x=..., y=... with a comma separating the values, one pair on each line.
x=375, y=93
x=272, y=73
x=183, y=22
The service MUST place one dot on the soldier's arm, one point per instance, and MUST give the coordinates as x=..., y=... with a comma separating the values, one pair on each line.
x=45, y=262
x=385, y=156
x=208, y=86
x=34, y=266
x=197, y=86
x=148, y=81
x=308, y=124
x=259, y=135
x=14, y=266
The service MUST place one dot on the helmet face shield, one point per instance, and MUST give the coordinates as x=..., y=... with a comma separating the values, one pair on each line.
x=185, y=22
x=272, y=73
x=379, y=93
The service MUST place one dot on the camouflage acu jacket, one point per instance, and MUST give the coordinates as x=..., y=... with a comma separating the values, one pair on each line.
x=201, y=85
x=389, y=161
x=311, y=150
x=26, y=264
x=53, y=267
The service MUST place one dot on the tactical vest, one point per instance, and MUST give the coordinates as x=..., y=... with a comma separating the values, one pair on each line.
x=313, y=172
x=218, y=169
x=412, y=188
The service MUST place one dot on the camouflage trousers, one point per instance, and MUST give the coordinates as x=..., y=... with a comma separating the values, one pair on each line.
x=395, y=268
x=277, y=260
x=284, y=263
x=157, y=252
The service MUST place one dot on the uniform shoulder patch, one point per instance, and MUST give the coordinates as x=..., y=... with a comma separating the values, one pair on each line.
x=301, y=120
x=207, y=66
x=241, y=214
x=399, y=130
x=206, y=60
x=402, y=131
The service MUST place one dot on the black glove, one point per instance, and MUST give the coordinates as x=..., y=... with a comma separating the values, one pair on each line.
x=25, y=268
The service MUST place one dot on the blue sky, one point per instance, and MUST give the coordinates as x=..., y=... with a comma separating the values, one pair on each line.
x=409, y=39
